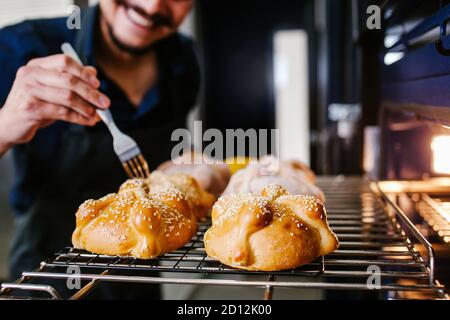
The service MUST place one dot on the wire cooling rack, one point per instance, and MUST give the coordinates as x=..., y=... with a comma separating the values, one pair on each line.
x=369, y=224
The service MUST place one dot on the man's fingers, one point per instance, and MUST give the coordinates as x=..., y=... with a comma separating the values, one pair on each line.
x=64, y=97
x=91, y=70
x=64, y=63
x=49, y=112
x=66, y=88
x=68, y=81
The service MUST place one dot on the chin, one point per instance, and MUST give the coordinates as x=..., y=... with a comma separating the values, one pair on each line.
x=137, y=42
x=134, y=43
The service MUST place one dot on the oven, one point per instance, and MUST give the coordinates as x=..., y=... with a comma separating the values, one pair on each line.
x=393, y=223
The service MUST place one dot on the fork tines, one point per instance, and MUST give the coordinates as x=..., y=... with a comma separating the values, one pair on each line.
x=136, y=167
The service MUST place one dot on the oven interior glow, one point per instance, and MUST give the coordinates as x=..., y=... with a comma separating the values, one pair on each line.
x=441, y=154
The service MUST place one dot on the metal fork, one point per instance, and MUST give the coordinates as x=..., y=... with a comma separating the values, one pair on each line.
x=125, y=147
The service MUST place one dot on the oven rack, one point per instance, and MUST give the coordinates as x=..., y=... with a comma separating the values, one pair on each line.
x=367, y=222
x=435, y=210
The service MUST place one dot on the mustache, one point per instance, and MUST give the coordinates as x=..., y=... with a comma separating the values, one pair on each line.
x=157, y=19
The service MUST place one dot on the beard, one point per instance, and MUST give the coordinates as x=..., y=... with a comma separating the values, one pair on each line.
x=134, y=51
x=158, y=20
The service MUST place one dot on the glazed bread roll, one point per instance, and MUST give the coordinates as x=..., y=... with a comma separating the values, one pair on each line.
x=294, y=176
x=137, y=221
x=200, y=200
x=145, y=219
x=269, y=232
x=301, y=167
x=213, y=176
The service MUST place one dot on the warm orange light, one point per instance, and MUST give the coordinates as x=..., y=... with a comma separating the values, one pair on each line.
x=441, y=154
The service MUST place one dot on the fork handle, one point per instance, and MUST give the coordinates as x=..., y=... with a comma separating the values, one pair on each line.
x=105, y=115
x=107, y=118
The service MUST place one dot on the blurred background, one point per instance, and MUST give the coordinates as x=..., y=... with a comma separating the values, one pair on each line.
x=291, y=65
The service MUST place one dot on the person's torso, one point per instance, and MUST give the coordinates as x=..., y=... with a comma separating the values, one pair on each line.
x=68, y=164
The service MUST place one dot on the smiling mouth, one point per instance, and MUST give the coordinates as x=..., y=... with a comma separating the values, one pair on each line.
x=138, y=19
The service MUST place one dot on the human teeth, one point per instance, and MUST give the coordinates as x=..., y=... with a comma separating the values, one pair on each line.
x=137, y=18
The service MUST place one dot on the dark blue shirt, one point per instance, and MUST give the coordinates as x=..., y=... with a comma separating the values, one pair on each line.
x=39, y=38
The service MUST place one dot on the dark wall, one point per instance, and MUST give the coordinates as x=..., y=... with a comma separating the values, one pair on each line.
x=343, y=56
x=236, y=38
x=236, y=44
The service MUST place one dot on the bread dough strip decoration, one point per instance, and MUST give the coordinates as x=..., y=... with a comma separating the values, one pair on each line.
x=145, y=219
x=269, y=232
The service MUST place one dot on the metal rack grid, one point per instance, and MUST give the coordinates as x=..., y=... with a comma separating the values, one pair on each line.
x=435, y=210
x=366, y=221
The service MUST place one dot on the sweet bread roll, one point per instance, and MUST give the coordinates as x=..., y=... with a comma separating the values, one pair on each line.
x=213, y=176
x=303, y=168
x=269, y=232
x=200, y=200
x=294, y=176
x=137, y=221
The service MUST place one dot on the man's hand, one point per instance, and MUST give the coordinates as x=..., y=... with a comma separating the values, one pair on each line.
x=46, y=90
